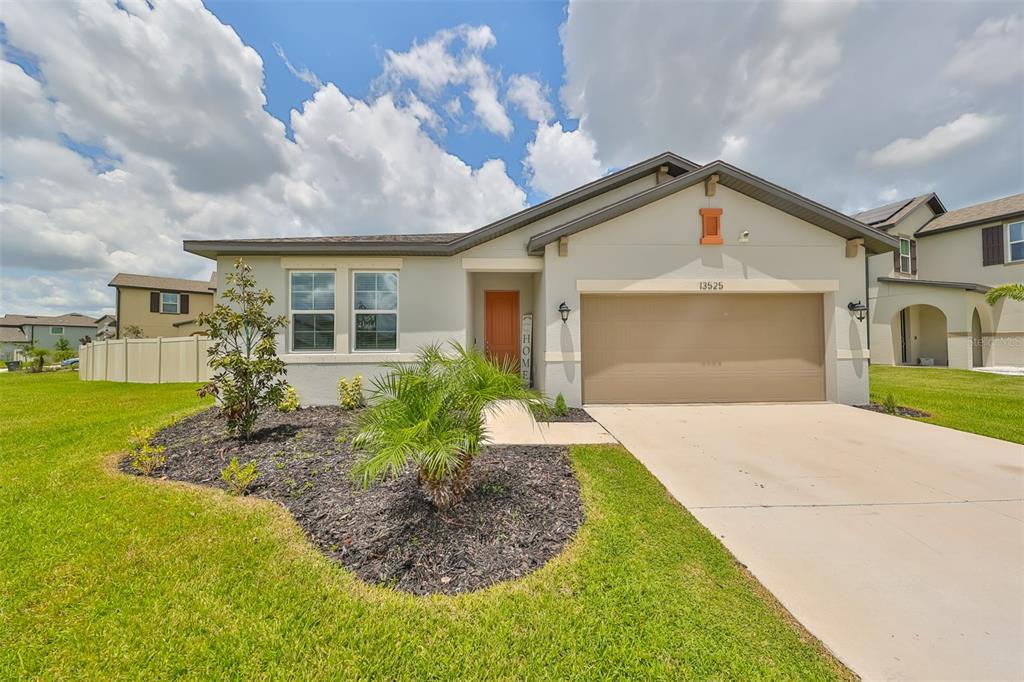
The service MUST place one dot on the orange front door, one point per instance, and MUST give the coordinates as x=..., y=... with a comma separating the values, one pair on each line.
x=501, y=337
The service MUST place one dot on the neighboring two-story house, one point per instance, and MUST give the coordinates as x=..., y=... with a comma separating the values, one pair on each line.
x=927, y=300
x=161, y=306
x=18, y=332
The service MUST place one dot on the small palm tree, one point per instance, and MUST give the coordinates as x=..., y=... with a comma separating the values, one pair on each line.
x=431, y=413
x=1014, y=292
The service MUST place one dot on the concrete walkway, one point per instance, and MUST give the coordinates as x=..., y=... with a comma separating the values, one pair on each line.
x=899, y=544
x=510, y=424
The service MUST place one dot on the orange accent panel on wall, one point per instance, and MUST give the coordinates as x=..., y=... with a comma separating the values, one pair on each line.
x=711, y=222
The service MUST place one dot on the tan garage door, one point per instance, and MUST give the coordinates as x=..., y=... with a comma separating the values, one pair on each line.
x=683, y=348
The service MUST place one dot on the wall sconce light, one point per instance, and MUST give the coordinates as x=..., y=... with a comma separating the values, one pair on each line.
x=744, y=236
x=858, y=309
x=564, y=311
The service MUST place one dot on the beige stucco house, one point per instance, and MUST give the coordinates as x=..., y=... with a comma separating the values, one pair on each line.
x=927, y=301
x=663, y=282
x=161, y=306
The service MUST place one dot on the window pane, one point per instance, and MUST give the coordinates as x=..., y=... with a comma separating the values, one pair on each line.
x=365, y=281
x=904, y=264
x=387, y=301
x=904, y=247
x=366, y=323
x=387, y=281
x=387, y=323
x=366, y=340
x=302, y=281
x=1017, y=251
x=1017, y=232
x=302, y=300
x=313, y=332
x=323, y=291
x=365, y=300
x=386, y=340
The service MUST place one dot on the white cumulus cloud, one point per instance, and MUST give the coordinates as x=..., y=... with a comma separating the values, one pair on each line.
x=558, y=160
x=936, y=143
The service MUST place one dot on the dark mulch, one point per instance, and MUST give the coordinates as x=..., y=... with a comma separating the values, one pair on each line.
x=576, y=414
x=901, y=411
x=523, y=507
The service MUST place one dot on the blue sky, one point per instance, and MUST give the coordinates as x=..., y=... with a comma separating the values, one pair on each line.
x=129, y=126
x=344, y=43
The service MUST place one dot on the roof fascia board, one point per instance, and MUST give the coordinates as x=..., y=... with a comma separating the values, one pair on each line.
x=538, y=242
x=966, y=286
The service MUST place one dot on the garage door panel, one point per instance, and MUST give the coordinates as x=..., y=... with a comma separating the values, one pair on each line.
x=702, y=348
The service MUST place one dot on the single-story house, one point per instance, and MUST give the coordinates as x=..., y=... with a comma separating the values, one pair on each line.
x=161, y=306
x=18, y=332
x=927, y=301
x=663, y=282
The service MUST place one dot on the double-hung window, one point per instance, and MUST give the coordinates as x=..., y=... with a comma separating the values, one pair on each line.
x=375, y=311
x=312, y=311
x=1015, y=242
x=905, y=264
x=169, y=302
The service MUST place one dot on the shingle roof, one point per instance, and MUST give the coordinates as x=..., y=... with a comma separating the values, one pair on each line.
x=884, y=217
x=124, y=279
x=68, y=320
x=880, y=214
x=989, y=211
x=12, y=335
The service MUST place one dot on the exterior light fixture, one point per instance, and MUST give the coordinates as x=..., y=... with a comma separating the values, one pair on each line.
x=858, y=309
x=564, y=311
x=744, y=236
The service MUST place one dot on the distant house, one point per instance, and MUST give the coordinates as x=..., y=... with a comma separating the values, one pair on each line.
x=927, y=301
x=18, y=332
x=106, y=328
x=161, y=306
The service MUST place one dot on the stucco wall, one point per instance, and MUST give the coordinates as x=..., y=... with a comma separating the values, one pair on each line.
x=134, y=310
x=661, y=241
x=432, y=307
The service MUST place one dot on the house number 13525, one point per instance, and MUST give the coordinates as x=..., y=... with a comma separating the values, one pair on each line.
x=709, y=285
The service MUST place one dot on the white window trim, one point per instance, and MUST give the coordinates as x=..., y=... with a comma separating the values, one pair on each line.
x=292, y=312
x=177, y=308
x=353, y=311
x=909, y=257
x=1009, y=251
x=60, y=333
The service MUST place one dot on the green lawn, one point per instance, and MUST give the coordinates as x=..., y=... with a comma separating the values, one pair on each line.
x=104, y=575
x=989, y=404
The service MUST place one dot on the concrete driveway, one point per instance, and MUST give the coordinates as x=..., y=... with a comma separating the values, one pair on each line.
x=899, y=544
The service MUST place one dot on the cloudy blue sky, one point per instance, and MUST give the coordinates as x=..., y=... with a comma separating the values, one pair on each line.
x=128, y=126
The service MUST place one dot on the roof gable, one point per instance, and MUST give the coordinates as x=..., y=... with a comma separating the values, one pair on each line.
x=738, y=180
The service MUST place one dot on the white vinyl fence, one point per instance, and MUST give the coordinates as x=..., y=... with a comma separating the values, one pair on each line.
x=145, y=361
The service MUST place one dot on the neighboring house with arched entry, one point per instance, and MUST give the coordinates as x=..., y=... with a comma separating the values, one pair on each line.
x=927, y=300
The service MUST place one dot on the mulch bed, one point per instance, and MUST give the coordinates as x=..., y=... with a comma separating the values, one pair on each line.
x=576, y=414
x=901, y=411
x=522, y=509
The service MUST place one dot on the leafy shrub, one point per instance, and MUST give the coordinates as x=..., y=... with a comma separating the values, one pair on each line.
x=239, y=478
x=431, y=413
x=561, y=409
x=248, y=374
x=63, y=351
x=889, y=405
x=144, y=457
x=133, y=331
x=350, y=392
x=36, y=358
x=290, y=400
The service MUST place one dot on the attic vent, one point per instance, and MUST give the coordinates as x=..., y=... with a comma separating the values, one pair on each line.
x=711, y=223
